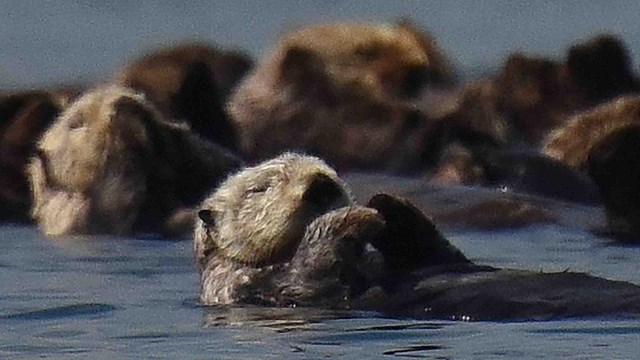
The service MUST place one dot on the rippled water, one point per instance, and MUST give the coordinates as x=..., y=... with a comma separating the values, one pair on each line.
x=137, y=298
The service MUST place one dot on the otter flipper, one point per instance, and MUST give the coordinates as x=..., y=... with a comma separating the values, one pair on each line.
x=410, y=239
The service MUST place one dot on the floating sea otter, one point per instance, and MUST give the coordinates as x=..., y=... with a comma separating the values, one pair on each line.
x=111, y=164
x=604, y=142
x=24, y=116
x=287, y=233
x=343, y=92
x=531, y=95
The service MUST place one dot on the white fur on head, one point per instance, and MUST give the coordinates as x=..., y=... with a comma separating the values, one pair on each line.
x=82, y=150
x=261, y=212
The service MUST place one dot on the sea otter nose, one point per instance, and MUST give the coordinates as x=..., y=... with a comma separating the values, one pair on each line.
x=322, y=192
x=414, y=82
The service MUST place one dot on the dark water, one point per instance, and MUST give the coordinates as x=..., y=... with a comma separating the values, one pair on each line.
x=107, y=298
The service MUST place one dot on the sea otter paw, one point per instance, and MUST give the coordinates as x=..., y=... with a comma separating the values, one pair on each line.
x=338, y=236
x=327, y=264
x=410, y=238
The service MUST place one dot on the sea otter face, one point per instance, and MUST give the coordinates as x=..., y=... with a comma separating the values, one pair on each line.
x=101, y=124
x=384, y=61
x=259, y=215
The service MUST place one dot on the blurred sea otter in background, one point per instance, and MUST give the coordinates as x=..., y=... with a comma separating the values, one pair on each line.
x=112, y=164
x=604, y=142
x=343, y=92
x=191, y=82
x=24, y=116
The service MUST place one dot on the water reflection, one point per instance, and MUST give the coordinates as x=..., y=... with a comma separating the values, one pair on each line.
x=278, y=319
x=61, y=312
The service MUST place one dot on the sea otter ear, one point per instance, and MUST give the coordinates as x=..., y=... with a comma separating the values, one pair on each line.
x=207, y=217
x=322, y=191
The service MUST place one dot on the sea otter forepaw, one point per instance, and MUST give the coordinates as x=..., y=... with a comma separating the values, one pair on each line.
x=410, y=238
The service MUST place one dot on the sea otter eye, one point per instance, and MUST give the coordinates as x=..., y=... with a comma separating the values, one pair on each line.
x=322, y=191
x=258, y=188
x=207, y=217
x=414, y=81
x=368, y=53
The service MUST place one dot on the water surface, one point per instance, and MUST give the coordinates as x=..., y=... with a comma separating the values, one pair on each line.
x=137, y=298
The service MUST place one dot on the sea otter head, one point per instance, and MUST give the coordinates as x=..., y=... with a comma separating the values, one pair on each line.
x=385, y=61
x=259, y=215
x=100, y=126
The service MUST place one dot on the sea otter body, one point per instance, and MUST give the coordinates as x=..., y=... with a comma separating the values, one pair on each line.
x=604, y=142
x=111, y=164
x=285, y=232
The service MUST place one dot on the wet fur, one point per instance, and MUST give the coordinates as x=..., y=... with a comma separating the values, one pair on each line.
x=111, y=164
x=272, y=234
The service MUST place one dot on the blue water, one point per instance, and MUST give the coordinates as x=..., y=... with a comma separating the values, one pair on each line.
x=99, y=298
x=108, y=298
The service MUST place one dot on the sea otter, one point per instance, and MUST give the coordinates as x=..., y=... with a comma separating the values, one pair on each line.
x=24, y=116
x=614, y=164
x=286, y=233
x=343, y=92
x=572, y=142
x=532, y=95
x=112, y=164
x=603, y=143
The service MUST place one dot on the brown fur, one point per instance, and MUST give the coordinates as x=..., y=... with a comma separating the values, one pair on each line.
x=572, y=142
x=476, y=108
x=441, y=71
x=530, y=96
x=23, y=118
x=614, y=164
x=191, y=82
x=340, y=92
x=111, y=164
x=457, y=165
x=536, y=96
